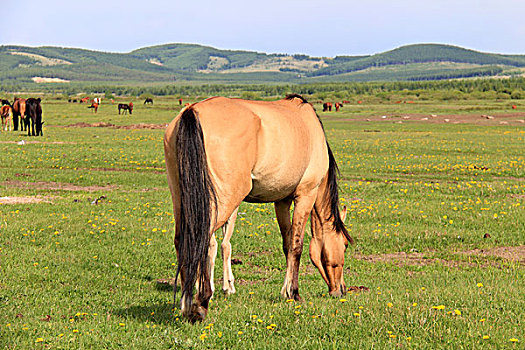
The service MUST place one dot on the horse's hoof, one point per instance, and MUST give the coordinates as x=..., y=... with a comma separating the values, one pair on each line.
x=228, y=291
x=198, y=314
x=336, y=293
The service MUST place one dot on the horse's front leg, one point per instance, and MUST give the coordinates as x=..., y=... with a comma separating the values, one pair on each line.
x=15, y=122
x=226, y=250
x=302, y=209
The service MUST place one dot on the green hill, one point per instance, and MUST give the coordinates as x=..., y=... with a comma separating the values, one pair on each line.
x=420, y=53
x=189, y=62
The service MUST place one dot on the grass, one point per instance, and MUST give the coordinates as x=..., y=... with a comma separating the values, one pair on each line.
x=78, y=275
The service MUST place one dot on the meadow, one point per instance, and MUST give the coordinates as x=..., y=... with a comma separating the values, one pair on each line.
x=436, y=198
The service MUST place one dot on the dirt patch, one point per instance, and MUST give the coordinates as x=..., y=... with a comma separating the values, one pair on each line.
x=24, y=200
x=113, y=126
x=157, y=171
x=45, y=185
x=481, y=119
x=519, y=196
x=403, y=259
x=24, y=142
x=39, y=80
x=511, y=254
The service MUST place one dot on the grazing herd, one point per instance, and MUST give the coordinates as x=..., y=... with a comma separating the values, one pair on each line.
x=27, y=112
x=327, y=106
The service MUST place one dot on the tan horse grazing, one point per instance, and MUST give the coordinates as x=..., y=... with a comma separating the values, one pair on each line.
x=220, y=152
x=5, y=113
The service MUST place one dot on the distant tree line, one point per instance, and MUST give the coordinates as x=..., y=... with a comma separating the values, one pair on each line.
x=446, y=89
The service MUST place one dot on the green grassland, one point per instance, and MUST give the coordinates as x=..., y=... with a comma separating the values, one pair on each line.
x=431, y=205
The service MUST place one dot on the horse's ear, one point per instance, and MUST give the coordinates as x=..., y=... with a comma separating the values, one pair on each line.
x=38, y=99
x=342, y=214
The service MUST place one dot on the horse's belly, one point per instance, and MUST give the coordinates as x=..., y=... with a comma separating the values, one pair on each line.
x=271, y=189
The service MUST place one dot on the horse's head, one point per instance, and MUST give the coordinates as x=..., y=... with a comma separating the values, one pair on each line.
x=38, y=128
x=327, y=251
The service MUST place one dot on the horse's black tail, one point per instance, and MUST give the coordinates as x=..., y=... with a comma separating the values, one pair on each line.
x=198, y=199
x=333, y=190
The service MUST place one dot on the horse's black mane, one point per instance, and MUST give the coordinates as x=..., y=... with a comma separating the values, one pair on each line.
x=292, y=96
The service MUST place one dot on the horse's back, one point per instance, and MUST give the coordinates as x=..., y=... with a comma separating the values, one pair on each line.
x=278, y=144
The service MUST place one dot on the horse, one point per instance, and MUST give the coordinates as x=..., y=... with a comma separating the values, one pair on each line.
x=220, y=152
x=337, y=106
x=19, y=111
x=180, y=101
x=148, y=100
x=94, y=105
x=5, y=114
x=84, y=100
x=327, y=106
x=125, y=108
x=6, y=103
x=34, y=117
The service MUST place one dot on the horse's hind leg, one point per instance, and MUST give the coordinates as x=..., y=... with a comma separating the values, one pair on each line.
x=212, y=254
x=282, y=212
x=226, y=251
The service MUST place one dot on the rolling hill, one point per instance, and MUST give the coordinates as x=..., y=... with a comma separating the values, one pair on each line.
x=190, y=62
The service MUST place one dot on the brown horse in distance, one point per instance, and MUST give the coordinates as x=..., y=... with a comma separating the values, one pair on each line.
x=94, y=105
x=19, y=111
x=327, y=106
x=220, y=152
x=5, y=114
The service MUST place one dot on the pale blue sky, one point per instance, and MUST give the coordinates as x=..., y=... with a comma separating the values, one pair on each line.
x=317, y=28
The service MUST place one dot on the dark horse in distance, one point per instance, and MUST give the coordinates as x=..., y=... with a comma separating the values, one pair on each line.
x=34, y=117
x=125, y=108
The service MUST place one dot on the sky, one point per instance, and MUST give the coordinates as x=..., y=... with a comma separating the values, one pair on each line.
x=321, y=28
